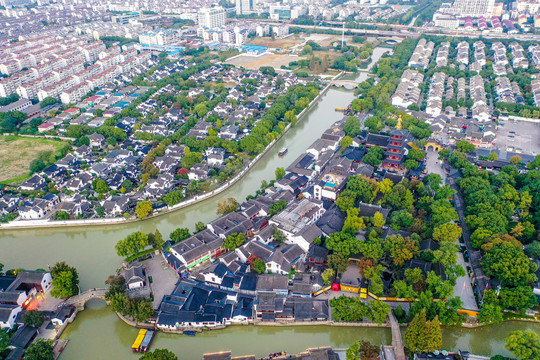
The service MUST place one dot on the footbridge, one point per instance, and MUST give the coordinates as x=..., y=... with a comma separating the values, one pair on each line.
x=79, y=301
x=348, y=84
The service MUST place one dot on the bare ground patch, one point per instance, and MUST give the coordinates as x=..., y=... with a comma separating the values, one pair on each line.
x=255, y=62
x=277, y=43
x=16, y=155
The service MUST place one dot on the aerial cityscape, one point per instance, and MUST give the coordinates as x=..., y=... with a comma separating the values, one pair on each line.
x=249, y=180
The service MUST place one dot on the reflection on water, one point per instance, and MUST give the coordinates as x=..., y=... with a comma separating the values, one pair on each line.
x=91, y=248
x=97, y=333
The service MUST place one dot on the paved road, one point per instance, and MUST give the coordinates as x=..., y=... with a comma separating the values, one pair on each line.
x=463, y=287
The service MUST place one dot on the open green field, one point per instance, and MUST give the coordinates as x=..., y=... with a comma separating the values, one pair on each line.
x=16, y=153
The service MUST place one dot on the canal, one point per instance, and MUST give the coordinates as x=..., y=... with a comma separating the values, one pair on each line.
x=98, y=334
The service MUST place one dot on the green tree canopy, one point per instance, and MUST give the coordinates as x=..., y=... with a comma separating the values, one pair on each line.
x=227, y=205
x=233, y=241
x=179, y=234
x=132, y=244
x=510, y=265
x=523, y=345
x=40, y=349
x=65, y=280
x=423, y=335
x=159, y=354
x=33, y=318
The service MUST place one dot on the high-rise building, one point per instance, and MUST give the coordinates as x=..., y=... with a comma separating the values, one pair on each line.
x=211, y=17
x=245, y=7
x=473, y=8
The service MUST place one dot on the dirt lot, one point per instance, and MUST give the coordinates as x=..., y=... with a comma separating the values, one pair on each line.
x=255, y=62
x=277, y=43
x=16, y=153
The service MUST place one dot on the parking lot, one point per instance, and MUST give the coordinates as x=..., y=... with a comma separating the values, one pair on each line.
x=520, y=137
x=163, y=277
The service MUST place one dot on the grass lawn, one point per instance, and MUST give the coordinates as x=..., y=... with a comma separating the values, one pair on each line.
x=16, y=153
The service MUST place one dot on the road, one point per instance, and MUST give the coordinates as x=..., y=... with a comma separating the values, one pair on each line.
x=463, y=287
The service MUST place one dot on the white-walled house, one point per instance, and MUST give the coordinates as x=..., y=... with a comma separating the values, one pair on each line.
x=8, y=315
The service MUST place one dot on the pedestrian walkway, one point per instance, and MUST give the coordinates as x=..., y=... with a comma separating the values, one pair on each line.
x=397, y=341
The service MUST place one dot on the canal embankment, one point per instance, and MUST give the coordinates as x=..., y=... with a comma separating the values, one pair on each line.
x=31, y=224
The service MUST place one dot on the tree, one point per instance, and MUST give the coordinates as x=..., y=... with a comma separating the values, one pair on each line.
x=378, y=220
x=490, y=314
x=40, y=349
x=33, y=318
x=100, y=186
x=423, y=335
x=447, y=232
x=226, y=206
x=353, y=126
x=280, y=172
x=346, y=142
x=374, y=156
x=277, y=207
x=179, y=234
x=132, y=244
x=379, y=311
x=327, y=275
x=399, y=197
x=4, y=341
x=338, y=263
x=259, y=266
x=510, y=265
x=493, y=156
x=344, y=203
x=159, y=354
x=465, y=146
x=156, y=240
x=199, y=226
x=523, y=345
x=233, y=241
x=278, y=235
x=353, y=223
x=65, y=280
x=143, y=209
x=63, y=285
x=400, y=249
x=363, y=350
x=365, y=188
x=385, y=186
x=61, y=215
x=344, y=243
x=47, y=101
x=416, y=154
x=519, y=298
x=173, y=197
x=515, y=159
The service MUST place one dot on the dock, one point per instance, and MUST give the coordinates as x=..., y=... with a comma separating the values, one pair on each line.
x=59, y=346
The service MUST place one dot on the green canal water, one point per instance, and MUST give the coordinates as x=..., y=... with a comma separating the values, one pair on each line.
x=98, y=334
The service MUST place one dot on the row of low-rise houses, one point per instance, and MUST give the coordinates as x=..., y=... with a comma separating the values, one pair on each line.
x=228, y=291
x=435, y=94
x=408, y=90
x=421, y=54
x=76, y=172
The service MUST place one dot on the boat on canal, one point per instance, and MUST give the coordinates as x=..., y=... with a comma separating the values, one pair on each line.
x=283, y=151
x=189, y=332
x=145, y=345
x=138, y=340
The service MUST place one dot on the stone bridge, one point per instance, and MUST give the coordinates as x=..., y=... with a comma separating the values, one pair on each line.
x=79, y=301
x=348, y=84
